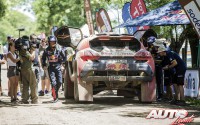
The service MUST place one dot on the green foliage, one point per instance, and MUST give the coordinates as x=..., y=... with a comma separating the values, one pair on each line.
x=14, y=20
x=2, y=8
x=192, y=101
x=60, y=12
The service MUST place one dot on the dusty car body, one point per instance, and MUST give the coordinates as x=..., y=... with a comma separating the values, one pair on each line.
x=110, y=62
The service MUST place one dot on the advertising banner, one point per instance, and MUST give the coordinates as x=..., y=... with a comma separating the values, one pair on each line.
x=191, y=83
x=138, y=8
x=89, y=16
x=126, y=16
x=192, y=9
x=103, y=21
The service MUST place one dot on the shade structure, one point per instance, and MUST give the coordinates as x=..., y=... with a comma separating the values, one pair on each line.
x=169, y=14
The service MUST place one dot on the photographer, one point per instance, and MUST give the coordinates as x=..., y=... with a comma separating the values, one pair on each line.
x=35, y=46
x=27, y=55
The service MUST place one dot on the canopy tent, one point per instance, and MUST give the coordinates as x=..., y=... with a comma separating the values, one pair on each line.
x=169, y=14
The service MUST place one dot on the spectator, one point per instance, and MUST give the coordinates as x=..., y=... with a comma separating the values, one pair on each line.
x=1, y=62
x=12, y=71
x=5, y=51
x=45, y=83
x=1, y=57
x=175, y=62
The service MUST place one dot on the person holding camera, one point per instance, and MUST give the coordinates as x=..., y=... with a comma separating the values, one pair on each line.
x=27, y=55
x=55, y=58
x=12, y=74
x=35, y=47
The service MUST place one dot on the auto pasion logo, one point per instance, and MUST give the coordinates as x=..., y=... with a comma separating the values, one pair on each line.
x=181, y=116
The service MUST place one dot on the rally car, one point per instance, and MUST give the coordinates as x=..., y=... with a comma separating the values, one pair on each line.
x=109, y=62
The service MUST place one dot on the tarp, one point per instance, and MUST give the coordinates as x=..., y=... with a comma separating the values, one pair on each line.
x=169, y=14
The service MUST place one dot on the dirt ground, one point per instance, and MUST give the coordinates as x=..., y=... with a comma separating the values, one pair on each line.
x=105, y=110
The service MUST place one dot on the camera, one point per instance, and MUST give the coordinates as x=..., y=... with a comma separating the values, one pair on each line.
x=22, y=43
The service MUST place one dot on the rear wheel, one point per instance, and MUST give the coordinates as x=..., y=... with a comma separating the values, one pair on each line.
x=68, y=84
x=82, y=91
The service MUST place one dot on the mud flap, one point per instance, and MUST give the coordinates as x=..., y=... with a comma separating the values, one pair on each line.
x=85, y=91
x=148, y=91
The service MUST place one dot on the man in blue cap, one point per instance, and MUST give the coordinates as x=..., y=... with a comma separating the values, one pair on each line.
x=55, y=58
x=159, y=74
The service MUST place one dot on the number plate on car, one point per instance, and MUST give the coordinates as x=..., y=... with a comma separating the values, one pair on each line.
x=117, y=78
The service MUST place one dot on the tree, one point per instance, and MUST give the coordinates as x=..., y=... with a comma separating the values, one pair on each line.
x=2, y=8
x=14, y=20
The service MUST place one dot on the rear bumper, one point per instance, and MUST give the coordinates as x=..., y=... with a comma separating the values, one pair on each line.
x=126, y=69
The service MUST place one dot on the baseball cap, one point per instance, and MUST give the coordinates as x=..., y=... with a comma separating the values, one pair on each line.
x=159, y=42
x=161, y=49
x=151, y=39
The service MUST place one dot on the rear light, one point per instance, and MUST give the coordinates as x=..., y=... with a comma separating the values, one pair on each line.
x=89, y=55
x=142, y=55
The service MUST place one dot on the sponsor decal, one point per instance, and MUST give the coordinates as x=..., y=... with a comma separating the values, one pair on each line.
x=117, y=53
x=117, y=66
x=180, y=115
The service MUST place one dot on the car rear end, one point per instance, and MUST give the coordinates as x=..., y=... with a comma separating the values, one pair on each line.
x=115, y=59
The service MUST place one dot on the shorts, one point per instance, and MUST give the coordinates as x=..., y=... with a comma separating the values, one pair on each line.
x=12, y=71
x=168, y=77
x=44, y=75
x=179, y=77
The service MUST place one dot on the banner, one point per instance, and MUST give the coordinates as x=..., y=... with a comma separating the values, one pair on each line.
x=89, y=16
x=103, y=21
x=191, y=84
x=126, y=16
x=138, y=8
x=169, y=14
x=192, y=9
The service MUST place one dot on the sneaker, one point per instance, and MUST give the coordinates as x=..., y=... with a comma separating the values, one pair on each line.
x=19, y=94
x=24, y=102
x=181, y=103
x=46, y=92
x=13, y=100
x=41, y=93
x=55, y=100
x=173, y=102
x=35, y=102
